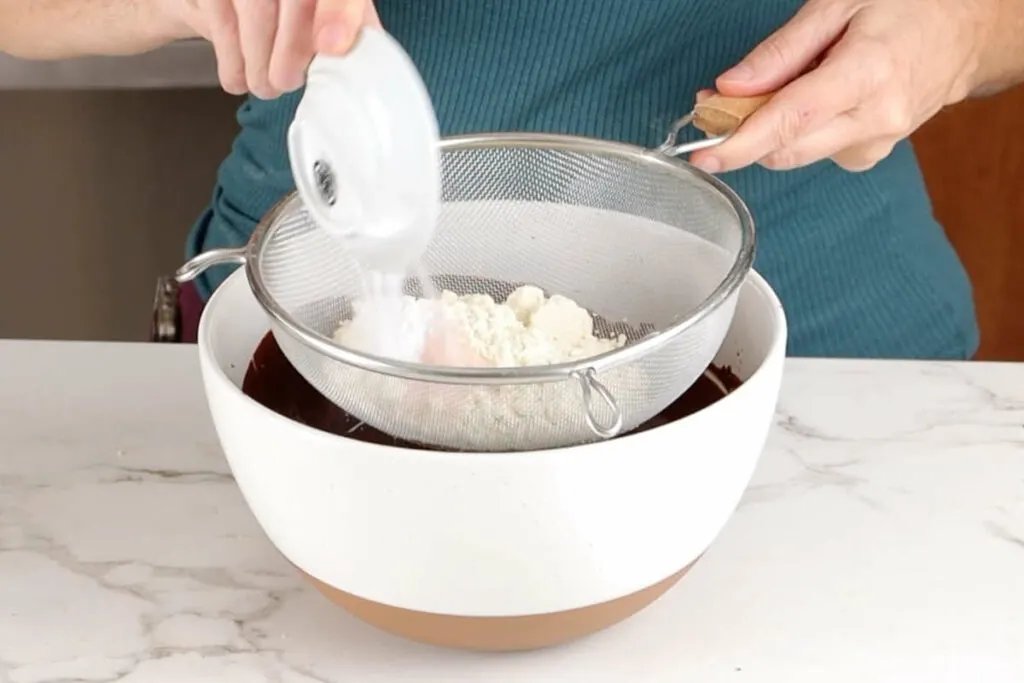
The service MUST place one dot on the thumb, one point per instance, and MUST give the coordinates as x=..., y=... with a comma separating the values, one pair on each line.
x=790, y=51
x=370, y=16
x=336, y=23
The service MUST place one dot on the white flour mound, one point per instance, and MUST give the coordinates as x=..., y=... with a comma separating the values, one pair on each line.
x=528, y=328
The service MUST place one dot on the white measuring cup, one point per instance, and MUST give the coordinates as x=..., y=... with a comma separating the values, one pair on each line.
x=364, y=150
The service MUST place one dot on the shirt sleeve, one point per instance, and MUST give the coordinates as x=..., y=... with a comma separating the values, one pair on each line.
x=251, y=180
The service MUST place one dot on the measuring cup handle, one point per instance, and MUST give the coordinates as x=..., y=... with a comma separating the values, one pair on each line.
x=200, y=263
x=591, y=386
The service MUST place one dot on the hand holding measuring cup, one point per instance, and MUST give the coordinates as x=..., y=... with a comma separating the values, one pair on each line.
x=264, y=47
x=854, y=77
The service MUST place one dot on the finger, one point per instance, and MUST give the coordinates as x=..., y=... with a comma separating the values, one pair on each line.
x=223, y=27
x=839, y=85
x=370, y=16
x=788, y=52
x=838, y=134
x=866, y=156
x=337, y=24
x=257, y=27
x=293, y=45
x=848, y=140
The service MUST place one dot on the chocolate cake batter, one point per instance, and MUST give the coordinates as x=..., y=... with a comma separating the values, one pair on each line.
x=272, y=381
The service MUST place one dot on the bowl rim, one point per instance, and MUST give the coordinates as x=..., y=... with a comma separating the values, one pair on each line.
x=212, y=369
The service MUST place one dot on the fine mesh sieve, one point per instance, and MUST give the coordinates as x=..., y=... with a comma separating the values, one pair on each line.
x=655, y=248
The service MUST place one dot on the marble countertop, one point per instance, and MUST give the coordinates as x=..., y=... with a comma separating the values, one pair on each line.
x=881, y=540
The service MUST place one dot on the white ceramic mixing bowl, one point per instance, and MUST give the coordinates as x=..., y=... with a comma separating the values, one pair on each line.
x=494, y=551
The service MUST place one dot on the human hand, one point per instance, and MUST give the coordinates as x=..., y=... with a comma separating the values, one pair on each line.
x=854, y=77
x=264, y=46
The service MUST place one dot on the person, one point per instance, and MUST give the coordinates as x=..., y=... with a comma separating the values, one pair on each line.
x=846, y=232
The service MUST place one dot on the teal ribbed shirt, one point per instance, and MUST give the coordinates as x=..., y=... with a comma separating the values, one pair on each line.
x=861, y=266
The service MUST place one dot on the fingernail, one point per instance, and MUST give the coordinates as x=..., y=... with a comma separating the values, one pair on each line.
x=738, y=74
x=332, y=38
x=708, y=164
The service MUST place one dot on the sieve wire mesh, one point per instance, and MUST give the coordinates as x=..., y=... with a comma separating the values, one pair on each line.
x=639, y=241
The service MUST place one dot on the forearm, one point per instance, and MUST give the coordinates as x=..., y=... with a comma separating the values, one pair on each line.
x=60, y=29
x=1001, y=54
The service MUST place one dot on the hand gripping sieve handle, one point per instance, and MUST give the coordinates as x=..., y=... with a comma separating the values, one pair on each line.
x=716, y=115
x=721, y=115
x=591, y=386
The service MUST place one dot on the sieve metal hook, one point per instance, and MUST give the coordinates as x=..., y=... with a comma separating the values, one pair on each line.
x=200, y=263
x=590, y=385
x=672, y=147
x=672, y=139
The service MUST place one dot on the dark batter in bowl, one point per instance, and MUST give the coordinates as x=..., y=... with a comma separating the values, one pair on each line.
x=272, y=381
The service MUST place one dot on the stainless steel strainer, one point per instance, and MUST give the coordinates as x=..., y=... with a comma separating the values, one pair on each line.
x=654, y=247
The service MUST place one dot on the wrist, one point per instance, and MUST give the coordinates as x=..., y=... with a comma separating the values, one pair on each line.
x=999, y=59
x=175, y=19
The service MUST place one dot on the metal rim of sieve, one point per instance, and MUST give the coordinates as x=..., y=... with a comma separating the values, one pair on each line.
x=584, y=370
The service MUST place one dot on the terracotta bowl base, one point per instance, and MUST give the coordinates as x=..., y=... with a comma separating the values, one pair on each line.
x=498, y=634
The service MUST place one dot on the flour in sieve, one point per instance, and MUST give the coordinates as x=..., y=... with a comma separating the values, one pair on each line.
x=528, y=328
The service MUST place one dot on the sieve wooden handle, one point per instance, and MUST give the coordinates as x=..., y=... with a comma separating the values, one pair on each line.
x=720, y=115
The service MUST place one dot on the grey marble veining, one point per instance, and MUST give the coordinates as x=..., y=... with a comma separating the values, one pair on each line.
x=882, y=539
